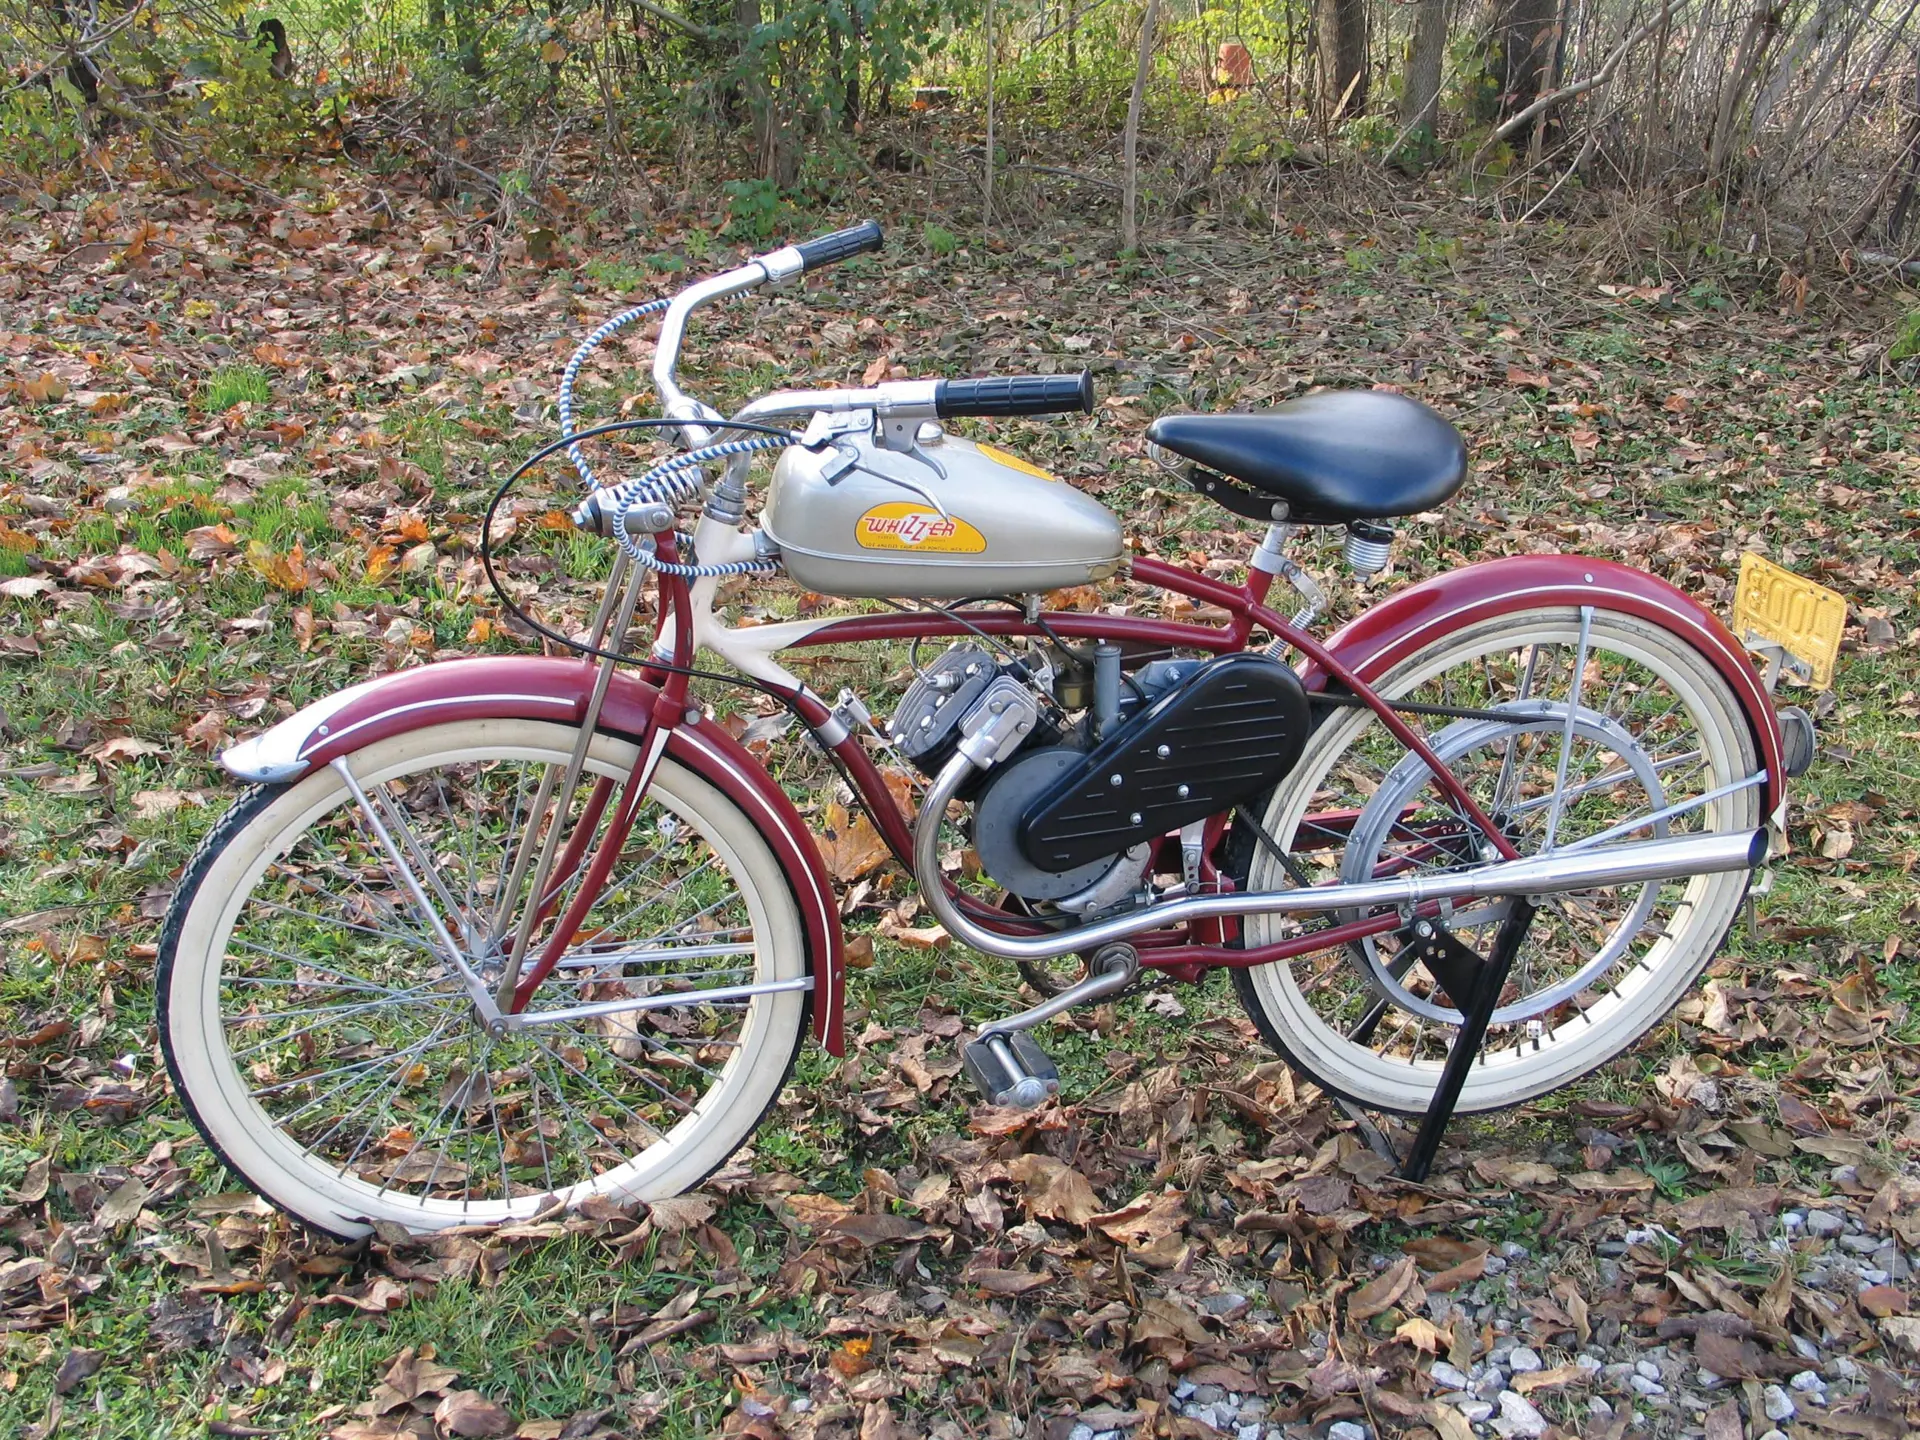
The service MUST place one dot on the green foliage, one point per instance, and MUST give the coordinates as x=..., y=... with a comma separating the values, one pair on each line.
x=42, y=127
x=1906, y=344
x=232, y=384
x=618, y=276
x=754, y=209
x=940, y=240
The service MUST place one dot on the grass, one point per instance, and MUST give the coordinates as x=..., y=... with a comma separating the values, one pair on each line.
x=1780, y=425
x=232, y=385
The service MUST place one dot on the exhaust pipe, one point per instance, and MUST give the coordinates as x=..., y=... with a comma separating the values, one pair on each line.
x=1675, y=858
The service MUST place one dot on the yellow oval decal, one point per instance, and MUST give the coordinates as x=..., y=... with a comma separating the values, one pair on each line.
x=905, y=525
x=1014, y=462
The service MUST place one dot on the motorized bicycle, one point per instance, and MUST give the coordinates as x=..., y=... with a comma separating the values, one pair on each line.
x=497, y=933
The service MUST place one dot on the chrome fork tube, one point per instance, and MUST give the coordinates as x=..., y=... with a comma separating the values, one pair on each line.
x=608, y=624
x=1670, y=859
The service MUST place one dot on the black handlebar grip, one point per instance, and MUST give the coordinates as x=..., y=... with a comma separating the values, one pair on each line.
x=1015, y=395
x=841, y=245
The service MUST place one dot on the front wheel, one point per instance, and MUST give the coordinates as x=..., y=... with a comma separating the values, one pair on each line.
x=326, y=1046
x=1588, y=726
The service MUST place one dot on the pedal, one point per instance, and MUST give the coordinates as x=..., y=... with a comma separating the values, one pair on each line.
x=1011, y=1070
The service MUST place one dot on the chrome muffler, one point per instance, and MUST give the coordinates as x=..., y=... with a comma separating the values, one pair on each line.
x=1673, y=858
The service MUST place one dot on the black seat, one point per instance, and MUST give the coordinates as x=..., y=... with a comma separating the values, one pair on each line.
x=1332, y=457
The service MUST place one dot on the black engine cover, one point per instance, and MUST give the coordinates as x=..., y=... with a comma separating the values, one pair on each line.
x=1230, y=731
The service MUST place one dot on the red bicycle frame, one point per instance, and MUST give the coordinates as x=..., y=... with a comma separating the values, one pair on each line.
x=1365, y=648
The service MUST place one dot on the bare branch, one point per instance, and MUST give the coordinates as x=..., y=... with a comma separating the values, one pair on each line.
x=1608, y=69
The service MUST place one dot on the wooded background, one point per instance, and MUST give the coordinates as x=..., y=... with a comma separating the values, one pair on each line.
x=1804, y=115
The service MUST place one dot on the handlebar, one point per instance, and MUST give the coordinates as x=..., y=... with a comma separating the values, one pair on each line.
x=700, y=424
x=775, y=267
x=1015, y=395
x=824, y=250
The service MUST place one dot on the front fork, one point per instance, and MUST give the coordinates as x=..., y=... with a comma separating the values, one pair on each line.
x=553, y=868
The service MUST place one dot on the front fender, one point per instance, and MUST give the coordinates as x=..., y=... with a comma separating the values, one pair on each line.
x=498, y=687
x=1373, y=643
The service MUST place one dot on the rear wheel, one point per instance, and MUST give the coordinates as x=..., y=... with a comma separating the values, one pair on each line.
x=1596, y=728
x=328, y=1049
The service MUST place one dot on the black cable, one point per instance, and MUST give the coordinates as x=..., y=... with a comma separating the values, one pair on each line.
x=581, y=647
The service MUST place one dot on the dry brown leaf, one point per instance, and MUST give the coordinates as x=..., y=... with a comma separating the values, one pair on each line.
x=118, y=748
x=1378, y=1295
x=1008, y=1282
x=679, y=1213
x=283, y=572
x=1880, y=1301
x=1145, y=1219
x=1547, y=1379
x=211, y=542
x=43, y=388
x=1054, y=1190
x=152, y=804
x=1423, y=1334
x=850, y=846
x=471, y=1414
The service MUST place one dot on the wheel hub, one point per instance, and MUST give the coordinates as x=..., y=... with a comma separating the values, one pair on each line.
x=1373, y=830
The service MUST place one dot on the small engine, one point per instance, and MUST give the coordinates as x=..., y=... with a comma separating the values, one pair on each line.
x=1070, y=818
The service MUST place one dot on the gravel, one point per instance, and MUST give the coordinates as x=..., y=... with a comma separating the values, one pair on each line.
x=1518, y=1417
x=1777, y=1403
x=1620, y=1373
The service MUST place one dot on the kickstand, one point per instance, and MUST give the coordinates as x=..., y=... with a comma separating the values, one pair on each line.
x=1458, y=969
x=1483, y=999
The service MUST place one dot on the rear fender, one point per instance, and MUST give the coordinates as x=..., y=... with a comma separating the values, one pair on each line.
x=498, y=687
x=1375, y=642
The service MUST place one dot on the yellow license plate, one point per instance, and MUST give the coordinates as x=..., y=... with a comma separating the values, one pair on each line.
x=1772, y=606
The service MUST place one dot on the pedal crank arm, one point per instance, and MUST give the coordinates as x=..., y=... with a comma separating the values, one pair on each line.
x=1114, y=968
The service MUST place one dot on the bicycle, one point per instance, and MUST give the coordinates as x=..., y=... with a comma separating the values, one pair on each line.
x=507, y=932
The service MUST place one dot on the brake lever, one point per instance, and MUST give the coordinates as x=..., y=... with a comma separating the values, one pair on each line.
x=827, y=429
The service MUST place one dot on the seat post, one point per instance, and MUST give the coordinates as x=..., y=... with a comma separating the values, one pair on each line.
x=1271, y=559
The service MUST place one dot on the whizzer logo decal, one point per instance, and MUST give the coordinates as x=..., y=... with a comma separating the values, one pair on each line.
x=903, y=525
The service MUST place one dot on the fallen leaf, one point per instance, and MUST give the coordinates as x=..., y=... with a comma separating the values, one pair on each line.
x=76, y=1369
x=117, y=748
x=1054, y=1190
x=123, y=1205
x=849, y=845
x=1378, y=1295
x=1147, y=1218
x=1881, y=1301
x=1423, y=1334
x=43, y=388
x=469, y=1413
x=1008, y=1282
x=680, y=1213
x=283, y=572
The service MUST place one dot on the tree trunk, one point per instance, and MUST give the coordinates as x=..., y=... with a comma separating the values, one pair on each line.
x=850, y=76
x=986, y=189
x=1343, y=56
x=466, y=38
x=1524, y=33
x=770, y=110
x=1130, y=143
x=1420, y=104
x=1762, y=25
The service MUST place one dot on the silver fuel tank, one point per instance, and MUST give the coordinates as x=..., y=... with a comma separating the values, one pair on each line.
x=1010, y=528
